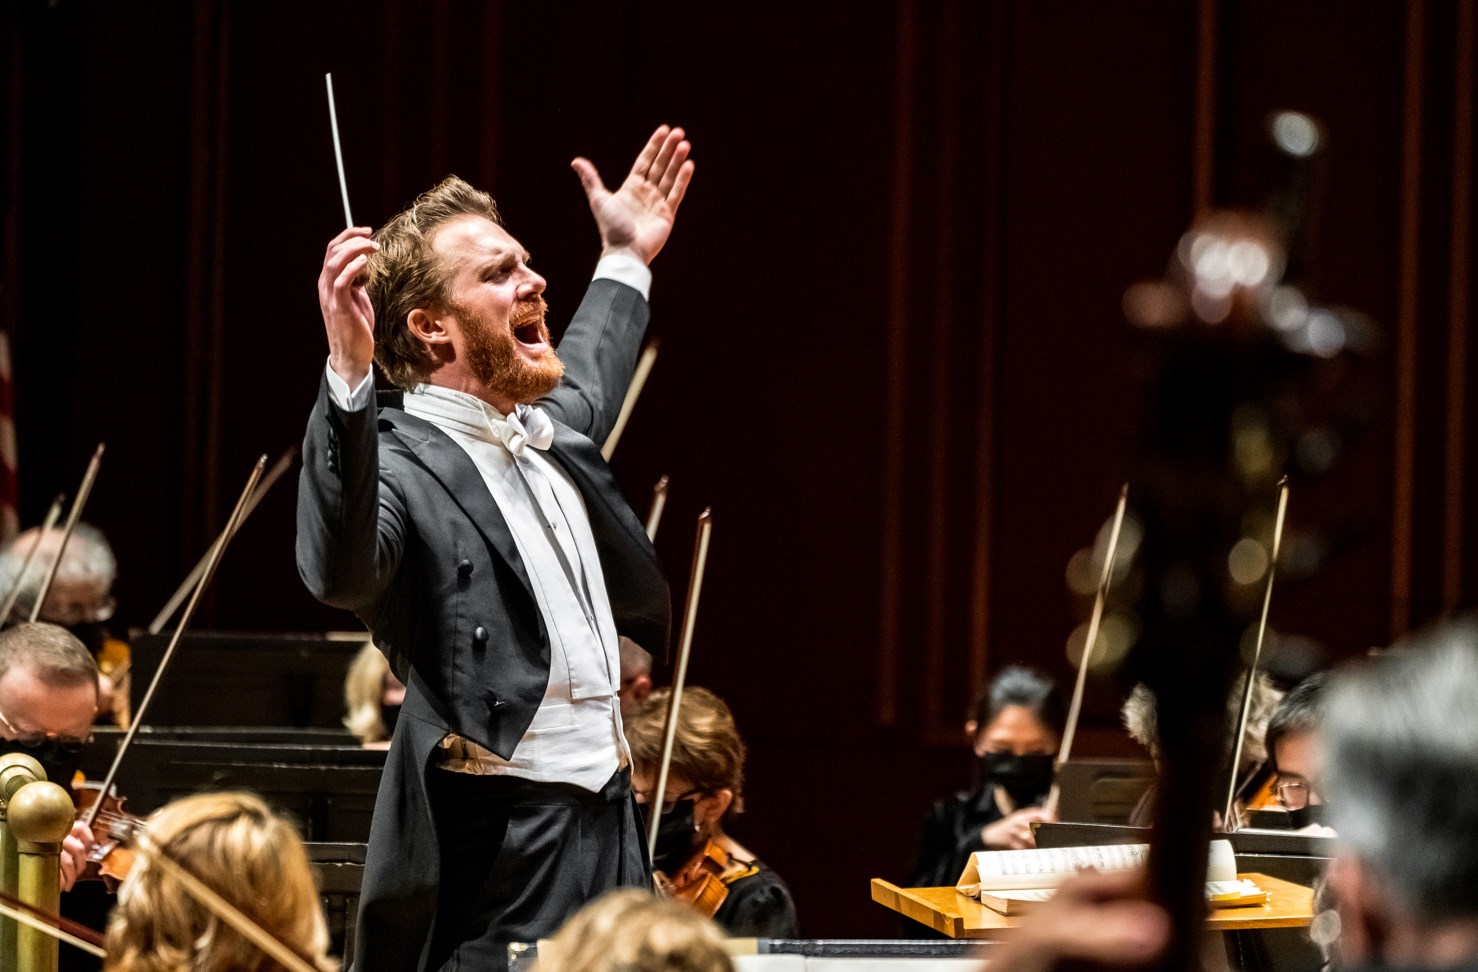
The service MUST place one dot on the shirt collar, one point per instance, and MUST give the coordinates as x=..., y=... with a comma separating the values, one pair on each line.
x=452, y=409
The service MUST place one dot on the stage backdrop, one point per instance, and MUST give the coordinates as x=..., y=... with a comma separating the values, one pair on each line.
x=893, y=356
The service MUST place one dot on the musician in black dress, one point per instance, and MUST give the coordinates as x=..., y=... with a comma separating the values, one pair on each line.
x=705, y=784
x=1014, y=730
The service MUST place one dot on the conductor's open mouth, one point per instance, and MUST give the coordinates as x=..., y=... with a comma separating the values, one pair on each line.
x=529, y=332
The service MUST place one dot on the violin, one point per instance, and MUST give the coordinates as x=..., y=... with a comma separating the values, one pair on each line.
x=113, y=832
x=699, y=883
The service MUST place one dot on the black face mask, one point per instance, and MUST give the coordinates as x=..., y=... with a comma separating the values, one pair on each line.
x=389, y=716
x=675, y=836
x=1026, y=779
x=60, y=765
x=1311, y=813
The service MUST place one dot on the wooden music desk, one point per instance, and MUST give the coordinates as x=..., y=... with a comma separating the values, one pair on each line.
x=947, y=911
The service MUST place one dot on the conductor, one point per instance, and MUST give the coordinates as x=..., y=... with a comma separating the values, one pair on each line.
x=471, y=524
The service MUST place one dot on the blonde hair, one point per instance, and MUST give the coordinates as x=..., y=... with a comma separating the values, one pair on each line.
x=364, y=688
x=706, y=750
x=254, y=859
x=632, y=930
x=406, y=273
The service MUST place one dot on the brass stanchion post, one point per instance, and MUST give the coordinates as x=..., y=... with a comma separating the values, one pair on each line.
x=16, y=770
x=40, y=817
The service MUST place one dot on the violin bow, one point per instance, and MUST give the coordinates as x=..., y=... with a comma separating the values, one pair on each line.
x=73, y=515
x=669, y=732
x=654, y=516
x=52, y=515
x=633, y=392
x=223, y=909
x=283, y=463
x=62, y=929
x=1229, y=821
x=1064, y=752
x=217, y=550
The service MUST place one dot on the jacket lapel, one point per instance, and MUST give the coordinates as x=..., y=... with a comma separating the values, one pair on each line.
x=582, y=460
x=458, y=475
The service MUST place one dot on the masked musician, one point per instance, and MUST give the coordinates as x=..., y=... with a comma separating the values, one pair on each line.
x=80, y=599
x=705, y=788
x=1014, y=730
x=372, y=698
x=1296, y=752
x=48, y=698
x=239, y=849
x=632, y=931
x=484, y=542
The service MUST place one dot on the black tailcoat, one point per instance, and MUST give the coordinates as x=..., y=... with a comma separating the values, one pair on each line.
x=396, y=524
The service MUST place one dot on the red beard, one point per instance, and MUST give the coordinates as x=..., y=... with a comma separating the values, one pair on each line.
x=493, y=355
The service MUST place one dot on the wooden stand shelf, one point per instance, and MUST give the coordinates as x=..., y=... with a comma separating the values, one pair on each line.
x=946, y=910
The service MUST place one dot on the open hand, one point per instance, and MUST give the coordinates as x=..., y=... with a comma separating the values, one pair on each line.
x=637, y=217
x=348, y=316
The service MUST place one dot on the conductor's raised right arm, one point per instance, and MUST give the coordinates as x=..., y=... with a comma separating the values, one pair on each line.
x=351, y=516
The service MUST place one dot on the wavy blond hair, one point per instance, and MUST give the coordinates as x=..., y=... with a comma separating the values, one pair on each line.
x=406, y=273
x=364, y=688
x=254, y=859
x=631, y=930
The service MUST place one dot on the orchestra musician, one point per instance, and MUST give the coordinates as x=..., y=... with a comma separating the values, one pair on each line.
x=1138, y=715
x=239, y=849
x=633, y=931
x=1296, y=750
x=1014, y=729
x=80, y=599
x=372, y=698
x=485, y=544
x=48, y=698
x=705, y=788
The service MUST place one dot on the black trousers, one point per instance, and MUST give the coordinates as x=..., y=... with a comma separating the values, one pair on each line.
x=518, y=858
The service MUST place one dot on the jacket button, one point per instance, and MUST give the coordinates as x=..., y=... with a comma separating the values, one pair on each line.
x=480, y=634
x=465, y=568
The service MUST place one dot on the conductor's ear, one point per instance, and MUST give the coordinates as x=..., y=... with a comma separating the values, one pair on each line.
x=428, y=326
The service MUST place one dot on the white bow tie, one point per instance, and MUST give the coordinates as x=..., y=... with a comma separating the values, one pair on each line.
x=526, y=426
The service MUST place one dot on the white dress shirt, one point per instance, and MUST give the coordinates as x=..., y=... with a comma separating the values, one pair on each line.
x=576, y=735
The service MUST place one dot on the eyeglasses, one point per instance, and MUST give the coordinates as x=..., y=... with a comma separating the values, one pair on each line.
x=70, y=612
x=35, y=740
x=1292, y=794
x=668, y=802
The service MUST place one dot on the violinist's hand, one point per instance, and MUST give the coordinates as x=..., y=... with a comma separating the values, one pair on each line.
x=74, y=853
x=1101, y=919
x=637, y=217
x=1014, y=831
x=348, y=316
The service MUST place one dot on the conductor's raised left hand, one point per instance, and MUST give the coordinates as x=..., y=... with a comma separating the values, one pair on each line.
x=637, y=217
